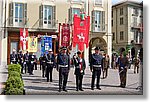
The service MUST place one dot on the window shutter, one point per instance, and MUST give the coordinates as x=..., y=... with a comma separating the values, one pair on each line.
x=11, y=9
x=41, y=16
x=69, y=14
x=54, y=16
x=93, y=20
x=25, y=13
x=103, y=20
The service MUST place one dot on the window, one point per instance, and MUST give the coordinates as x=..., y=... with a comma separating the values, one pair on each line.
x=17, y=14
x=121, y=35
x=121, y=11
x=98, y=2
x=113, y=36
x=72, y=12
x=121, y=21
x=134, y=21
x=98, y=21
x=135, y=11
x=47, y=16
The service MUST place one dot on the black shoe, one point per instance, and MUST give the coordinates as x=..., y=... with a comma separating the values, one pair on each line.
x=92, y=88
x=98, y=88
x=65, y=90
x=59, y=90
x=77, y=89
x=51, y=81
x=81, y=89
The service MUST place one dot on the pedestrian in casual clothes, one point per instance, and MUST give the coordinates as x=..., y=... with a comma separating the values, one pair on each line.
x=80, y=66
x=105, y=65
x=96, y=67
x=122, y=64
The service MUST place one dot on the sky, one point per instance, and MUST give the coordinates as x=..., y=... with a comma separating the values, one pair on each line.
x=116, y=1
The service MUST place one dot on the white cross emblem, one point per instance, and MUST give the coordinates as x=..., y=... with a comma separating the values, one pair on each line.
x=81, y=37
x=24, y=39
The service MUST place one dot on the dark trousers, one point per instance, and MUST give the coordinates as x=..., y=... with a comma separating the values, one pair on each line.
x=35, y=65
x=79, y=79
x=43, y=70
x=63, y=77
x=105, y=72
x=123, y=74
x=31, y=66
x=26, y=66
x=21, y=64
x=49, y=71
x=96, y=73
x=40, y=65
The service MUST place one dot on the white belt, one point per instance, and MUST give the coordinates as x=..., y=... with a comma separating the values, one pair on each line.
x=63, y=65
x=13, y=60
x=96, y=65
x=26, y=60
x=50, y=62
x=44, y=61
x=32, y=61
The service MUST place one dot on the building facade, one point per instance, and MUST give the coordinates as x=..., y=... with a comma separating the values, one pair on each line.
x=127, y=26
x=43, y=17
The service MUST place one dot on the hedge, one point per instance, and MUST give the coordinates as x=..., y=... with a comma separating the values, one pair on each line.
x=14, y=83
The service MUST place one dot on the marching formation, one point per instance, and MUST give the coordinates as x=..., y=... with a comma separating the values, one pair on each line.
x=99, y=63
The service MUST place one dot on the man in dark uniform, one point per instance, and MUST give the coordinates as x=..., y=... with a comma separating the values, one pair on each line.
x=20, y=60
x=35, y=62
x=96, y=66
x=63, y=62
x=13, y=57
x=122, y=64
x=26, y=61
x=80, y=66
x=31, y=63
x=50, y=65
x=40, y=60
x=44, y=62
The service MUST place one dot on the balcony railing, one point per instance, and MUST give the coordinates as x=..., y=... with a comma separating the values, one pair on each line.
x=47, y=24
x=136, y=25
x=17, y=22
x=101, y=28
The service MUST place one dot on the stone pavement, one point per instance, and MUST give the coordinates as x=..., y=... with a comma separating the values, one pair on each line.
x=36, y=85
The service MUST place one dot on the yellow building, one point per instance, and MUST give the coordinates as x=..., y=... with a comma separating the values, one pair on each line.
x=42, y=17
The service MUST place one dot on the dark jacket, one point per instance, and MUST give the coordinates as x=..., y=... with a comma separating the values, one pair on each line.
x=14, y=58
x=50, y=58
x=79, y=66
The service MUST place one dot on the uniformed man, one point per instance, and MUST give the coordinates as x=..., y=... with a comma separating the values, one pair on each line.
x=26, y=61
x=13, y=57
x=50, y=65
x=44, y=62
x=105, y=65
x=80, y=66
x=96, y=66
x=20, y=60
x=40, y=60
x=63, y=61
x=35, y=62
x=122, y=64
x=31, y=63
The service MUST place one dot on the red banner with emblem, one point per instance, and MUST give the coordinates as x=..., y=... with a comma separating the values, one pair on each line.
x=81, y=32
x=65, y=35
x=24, y=38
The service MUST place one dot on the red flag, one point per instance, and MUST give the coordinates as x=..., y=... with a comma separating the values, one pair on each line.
x=81, y=32
x=24, y=38
x=65, y=37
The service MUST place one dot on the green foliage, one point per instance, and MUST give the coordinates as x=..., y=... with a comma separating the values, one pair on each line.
x=14, y=67
x=14, y=91
x=14, y=83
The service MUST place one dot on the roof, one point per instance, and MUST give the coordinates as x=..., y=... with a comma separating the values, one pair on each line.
x=126, y=2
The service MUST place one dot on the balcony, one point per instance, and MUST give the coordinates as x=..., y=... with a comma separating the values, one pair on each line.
x=17, y=22
x=135, y=25
x=99, y=28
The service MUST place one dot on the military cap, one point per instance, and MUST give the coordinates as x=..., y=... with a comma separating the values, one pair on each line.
x=50, y=50
x=96, y=48
x=78, y=52
x=64, y=48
